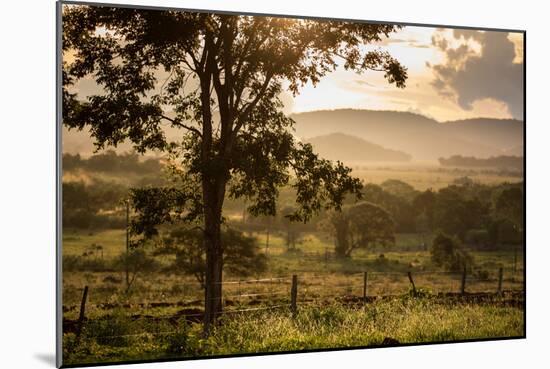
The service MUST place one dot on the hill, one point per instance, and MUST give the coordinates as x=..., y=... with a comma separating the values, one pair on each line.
x=347, y=148
x=422, y=137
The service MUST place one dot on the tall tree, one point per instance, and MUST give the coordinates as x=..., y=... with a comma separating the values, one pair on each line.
x=221, y=80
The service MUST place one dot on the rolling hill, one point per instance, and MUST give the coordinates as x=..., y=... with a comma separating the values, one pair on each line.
x=399, y=132
x=347, y=148
x=415, y=134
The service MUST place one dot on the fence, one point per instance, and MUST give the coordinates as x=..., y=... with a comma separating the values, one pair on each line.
x=291, y=292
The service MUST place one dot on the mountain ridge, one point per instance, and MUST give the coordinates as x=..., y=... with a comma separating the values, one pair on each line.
x=422, y=137
x=348, y=148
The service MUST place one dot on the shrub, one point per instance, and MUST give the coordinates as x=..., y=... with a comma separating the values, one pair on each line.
x=448, y=253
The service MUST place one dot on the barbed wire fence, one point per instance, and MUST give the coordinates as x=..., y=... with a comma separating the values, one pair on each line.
x=306, y=289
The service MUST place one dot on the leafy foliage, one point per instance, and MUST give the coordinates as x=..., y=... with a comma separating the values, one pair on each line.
x=361, y=226
x=241, y=253
x=447, y=253
x=235, y=65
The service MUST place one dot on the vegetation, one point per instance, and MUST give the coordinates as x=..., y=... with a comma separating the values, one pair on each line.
x=239, y=64
x=511, y=162
x=241, y=256
x=447, y=253
x=397, y=321
x=361, y=226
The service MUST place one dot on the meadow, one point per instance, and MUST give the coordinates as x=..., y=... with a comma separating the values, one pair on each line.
x=159, y=315
x=380, y=323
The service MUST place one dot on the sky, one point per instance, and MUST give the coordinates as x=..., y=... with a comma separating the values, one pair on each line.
x=453, y=74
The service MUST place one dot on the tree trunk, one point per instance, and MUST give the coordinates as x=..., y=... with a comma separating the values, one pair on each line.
x=341, y=240
x=213, y=200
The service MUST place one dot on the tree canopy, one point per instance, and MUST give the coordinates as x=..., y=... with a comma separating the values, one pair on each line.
x=361, y=226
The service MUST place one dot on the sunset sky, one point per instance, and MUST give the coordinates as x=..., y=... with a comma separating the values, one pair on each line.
x=453, y=74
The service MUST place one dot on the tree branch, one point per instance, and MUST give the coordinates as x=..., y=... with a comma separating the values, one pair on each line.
x=177, y=123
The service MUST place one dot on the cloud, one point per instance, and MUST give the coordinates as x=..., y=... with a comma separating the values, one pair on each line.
x=407, y=42
x=469, y=76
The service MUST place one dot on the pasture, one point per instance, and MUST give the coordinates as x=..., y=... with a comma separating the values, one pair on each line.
x=367, y=299
x=159, y=317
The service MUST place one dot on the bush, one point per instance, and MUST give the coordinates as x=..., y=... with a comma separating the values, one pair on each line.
x=178, y=343
x=138, y=261
x=482, y=274
x=448, y=253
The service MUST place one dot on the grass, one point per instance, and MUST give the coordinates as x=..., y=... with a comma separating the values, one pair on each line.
x=407, y=320
x=76, y=242
x=320, y=323
x=318, y=276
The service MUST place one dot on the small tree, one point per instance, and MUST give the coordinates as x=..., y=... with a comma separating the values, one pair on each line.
x=241, y=253
x=138, y=262
x=361, y=226
x=447, y=252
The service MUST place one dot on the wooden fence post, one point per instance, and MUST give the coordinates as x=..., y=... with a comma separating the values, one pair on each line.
x=412, y=283
x=463, y=284
x=294, y=294
x=500, y=273
x=365, y=277
x=82, y=315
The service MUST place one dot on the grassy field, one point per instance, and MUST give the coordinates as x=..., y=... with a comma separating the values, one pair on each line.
x=320, y=277
x=430, y=176
x=420, y=176
x=159, y=317
x=403, y=320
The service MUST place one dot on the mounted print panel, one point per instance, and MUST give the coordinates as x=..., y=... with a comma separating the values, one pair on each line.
x=243, y=184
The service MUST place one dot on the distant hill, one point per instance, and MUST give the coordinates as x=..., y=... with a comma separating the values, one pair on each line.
x=347, y=148
x=416, y=135
x=422, y=137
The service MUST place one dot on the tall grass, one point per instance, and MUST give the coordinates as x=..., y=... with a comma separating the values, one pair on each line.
x=407, y=320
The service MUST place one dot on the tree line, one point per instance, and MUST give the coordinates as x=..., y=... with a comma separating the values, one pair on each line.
x=503, y=161
x=109, y=161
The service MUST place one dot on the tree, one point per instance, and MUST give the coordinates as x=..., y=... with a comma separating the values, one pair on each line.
x=510, y=205
x=399, y=188
x=241, y=253
x=456, y=213
x=135, y=262
x=399, y=206
x=361, y=226
x=221, y=80
x=423, y=227
x=424, y=204
x=447, y=252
